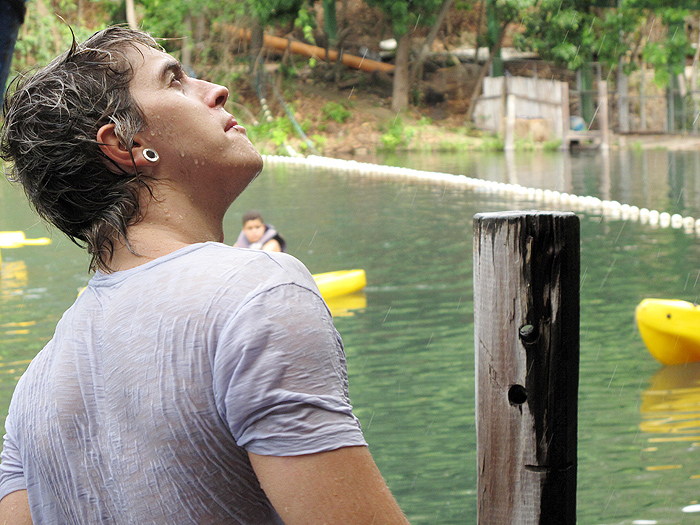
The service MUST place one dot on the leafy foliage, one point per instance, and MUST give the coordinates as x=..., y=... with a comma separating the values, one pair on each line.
x=44, y=35
x=169, y=20
x=575, y=32
x=406, y=14
x=268, y=11
x=336, y=111
x=397, y=136
x=508, y=10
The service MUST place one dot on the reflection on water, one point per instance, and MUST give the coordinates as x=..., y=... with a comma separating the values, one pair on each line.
x=671, y=405
x=13, y=282
x=13, y=278
x=409, y=340
x=670, y=410
x=654, y=179
x=346, y=305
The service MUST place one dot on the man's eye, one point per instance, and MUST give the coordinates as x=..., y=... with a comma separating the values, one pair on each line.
x=176, y=81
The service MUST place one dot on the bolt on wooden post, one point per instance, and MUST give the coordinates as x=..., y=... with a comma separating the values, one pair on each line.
x=526, y=323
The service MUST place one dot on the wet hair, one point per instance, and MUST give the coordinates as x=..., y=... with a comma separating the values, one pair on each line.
x=252, y=215
x=51, y=119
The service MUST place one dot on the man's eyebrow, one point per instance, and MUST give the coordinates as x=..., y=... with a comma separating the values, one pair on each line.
x=170, y=66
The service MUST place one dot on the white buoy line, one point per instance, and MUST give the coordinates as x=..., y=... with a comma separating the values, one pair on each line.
x=553, y=199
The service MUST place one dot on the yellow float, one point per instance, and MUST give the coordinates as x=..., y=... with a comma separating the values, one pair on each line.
x=670, y=330
x=17, y=240
x=343, y=282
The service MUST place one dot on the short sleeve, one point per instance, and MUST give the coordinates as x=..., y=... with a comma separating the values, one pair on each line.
x=280, y=376
x=11, y=468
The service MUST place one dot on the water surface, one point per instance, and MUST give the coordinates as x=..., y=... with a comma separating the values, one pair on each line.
x=410, y=349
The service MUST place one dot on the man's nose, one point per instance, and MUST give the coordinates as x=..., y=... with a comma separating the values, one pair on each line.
x=215, y=95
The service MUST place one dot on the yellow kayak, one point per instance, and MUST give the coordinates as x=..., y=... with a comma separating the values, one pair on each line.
x=343, y=282
x=670, y=330
x=17, y=240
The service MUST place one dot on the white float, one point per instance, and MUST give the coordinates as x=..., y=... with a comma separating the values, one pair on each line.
x=610, y=209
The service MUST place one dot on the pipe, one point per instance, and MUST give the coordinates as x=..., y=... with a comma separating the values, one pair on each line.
x=319, y=53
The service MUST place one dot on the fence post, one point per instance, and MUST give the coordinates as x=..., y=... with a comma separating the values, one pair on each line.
x=526, y=320
x=509, y=142
x=643, y=99
x=565, y=116
x=603, y=111
x=623, y=104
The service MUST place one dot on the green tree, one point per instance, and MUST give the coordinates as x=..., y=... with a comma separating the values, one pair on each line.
x=575, y=33
x=189, y=25
x=501, y=13
x=46, y=32
x=405, y=15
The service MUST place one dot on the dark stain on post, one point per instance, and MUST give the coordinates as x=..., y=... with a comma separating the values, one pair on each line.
x=552, y=358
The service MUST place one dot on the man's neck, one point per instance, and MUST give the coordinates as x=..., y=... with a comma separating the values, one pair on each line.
x=164, y=229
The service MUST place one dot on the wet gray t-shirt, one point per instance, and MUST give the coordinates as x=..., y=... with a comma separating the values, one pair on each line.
x=160, y=379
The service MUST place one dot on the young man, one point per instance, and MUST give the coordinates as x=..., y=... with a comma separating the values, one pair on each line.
x=191, y=382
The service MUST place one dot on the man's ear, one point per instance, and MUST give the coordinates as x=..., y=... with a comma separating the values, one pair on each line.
x=111, y=146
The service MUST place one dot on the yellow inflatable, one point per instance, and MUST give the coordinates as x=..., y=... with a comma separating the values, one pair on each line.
x=343, y=282
x=17, y=240
x=670, y=330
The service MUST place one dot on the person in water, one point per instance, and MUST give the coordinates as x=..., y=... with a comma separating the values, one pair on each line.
x=191, y=382
x=259, y=236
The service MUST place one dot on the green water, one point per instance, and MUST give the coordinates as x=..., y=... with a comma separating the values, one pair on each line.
x=410, y=349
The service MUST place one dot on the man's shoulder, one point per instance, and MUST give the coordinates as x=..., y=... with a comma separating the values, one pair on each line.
x=204, y=270
x=220, y=261
x=241, y=256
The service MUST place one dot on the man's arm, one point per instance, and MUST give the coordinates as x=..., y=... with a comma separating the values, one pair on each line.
x=342, y=486
x=14, y=509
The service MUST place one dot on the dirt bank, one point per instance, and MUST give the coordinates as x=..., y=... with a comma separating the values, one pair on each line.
x=665, y=142
x=372, y=126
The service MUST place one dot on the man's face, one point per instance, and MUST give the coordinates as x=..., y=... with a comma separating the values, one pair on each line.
x=203, y=151
x=254, y=230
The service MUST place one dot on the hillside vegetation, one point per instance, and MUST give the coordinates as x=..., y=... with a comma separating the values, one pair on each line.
x=297, y=104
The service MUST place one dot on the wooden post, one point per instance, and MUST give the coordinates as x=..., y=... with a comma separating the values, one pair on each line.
x=643, y=99
x=623, y=105
x=565, y=117
x=526, y=320
x=131, y=14
x=603, y=112
x=510, y=123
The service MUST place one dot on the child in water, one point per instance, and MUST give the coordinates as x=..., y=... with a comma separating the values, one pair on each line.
x=257, y=235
